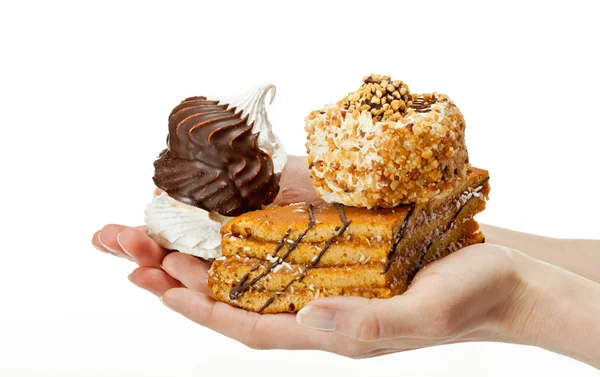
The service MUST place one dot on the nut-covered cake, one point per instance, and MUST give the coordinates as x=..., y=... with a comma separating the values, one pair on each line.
x=382, y=146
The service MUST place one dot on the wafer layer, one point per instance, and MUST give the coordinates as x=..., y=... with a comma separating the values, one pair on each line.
x=294, y=299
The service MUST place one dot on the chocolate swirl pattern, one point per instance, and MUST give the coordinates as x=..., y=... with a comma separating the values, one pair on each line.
x=213, y=160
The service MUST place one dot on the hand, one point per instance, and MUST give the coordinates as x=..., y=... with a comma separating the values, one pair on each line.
x=483, y=292
x=480, y=293
x=464, y=297
x=479, y=284
x=133, y=243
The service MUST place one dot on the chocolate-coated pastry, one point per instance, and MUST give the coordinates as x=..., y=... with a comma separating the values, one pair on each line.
x=214, y=160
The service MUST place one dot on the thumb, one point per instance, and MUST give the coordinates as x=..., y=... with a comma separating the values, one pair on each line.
x=296, y=184
x=358, y=318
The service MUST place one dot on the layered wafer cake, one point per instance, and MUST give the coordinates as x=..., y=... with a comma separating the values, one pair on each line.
x=278, y=259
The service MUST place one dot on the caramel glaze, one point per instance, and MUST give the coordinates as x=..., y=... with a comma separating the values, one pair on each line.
x=315, y=261
x=213, y=160
x=240, y=288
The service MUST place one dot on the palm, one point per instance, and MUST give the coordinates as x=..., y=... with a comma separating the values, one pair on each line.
x=436, y=309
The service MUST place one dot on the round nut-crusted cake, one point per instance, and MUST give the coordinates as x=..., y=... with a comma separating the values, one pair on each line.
x=382, y=146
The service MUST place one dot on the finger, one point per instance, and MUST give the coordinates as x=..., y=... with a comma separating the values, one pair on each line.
x=189, y=270
x=296, y=184
x=143, y=249
x=98, y=245
x=362, y=319
x=153, y=280
x=157, y=191
x=267, y=331
x=107, y=240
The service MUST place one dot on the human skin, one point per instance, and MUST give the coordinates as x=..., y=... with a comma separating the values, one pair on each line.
x=579, y=256
x=492, y=292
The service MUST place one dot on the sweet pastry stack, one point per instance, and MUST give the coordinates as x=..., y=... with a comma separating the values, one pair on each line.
x=398, y=193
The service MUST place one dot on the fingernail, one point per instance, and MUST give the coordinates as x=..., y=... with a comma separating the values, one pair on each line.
x=122, y=247
x=106, y=246
x=129, y=278
x=99, y=248
x=317, y=318
x=164, y=303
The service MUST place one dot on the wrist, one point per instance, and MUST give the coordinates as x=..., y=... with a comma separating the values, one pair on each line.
x=553, y=309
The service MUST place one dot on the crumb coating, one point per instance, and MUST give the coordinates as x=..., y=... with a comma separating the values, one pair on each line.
x=383, y=156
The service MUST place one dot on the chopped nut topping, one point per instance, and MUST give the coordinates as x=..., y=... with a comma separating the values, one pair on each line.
x=376, y=95
x=408, y=148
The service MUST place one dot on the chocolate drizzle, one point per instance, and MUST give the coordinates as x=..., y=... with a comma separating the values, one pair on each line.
x=240, y=288
x=422, y=104
x=213, y=160
x=397, y=238
x=339, y=231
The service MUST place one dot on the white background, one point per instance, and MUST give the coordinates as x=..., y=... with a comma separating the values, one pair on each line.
x=85, y=91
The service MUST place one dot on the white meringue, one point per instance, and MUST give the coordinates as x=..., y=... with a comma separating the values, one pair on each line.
x=188, y=229
x=253, y=104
